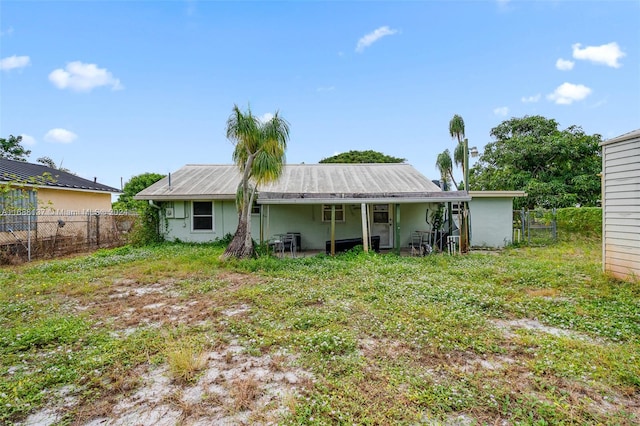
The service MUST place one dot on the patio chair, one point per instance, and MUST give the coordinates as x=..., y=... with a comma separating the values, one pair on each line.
x=289, y=244
x=415, y=245
x=276, y=245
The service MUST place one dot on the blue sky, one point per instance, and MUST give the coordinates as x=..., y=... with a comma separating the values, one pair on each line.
x=115, y=89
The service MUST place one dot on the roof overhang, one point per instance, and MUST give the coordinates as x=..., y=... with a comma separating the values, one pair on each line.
x=627, y=136
x=182, y=197
x=58, y=188
x=399, y=198
x=497, y=194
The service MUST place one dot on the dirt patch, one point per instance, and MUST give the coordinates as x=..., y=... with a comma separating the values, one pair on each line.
x=530, y=324
x=233, y=388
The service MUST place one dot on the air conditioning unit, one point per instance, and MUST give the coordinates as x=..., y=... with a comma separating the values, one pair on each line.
x=168, y=212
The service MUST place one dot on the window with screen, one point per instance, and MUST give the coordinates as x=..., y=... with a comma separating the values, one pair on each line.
x=203, y=216
x=326, y=212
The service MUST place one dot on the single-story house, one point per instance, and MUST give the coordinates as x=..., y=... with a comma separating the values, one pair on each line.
x=621, y=205
x=387, y=201
x=34, y=193
x=55, y=190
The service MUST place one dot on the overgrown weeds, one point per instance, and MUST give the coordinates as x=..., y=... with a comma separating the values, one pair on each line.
x=534, y=335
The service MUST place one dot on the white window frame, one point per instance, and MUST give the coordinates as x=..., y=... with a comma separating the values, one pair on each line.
x=339, y=208
x=256, y=208
x=194, y=216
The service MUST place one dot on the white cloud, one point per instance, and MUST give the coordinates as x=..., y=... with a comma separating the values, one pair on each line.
x=374, y=36
x=564, y=64
x=60, y=136
x=531, y=99
x=501, y=111
x=607, y=54
x=326, y=89
x=83, y=77
x=567, y=93
x=8, y=32
x=28, y=140
x=14, y=61
x=264, y=118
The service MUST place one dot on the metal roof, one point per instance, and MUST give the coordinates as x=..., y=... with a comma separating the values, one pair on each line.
x=31, y=174
x=305, y=183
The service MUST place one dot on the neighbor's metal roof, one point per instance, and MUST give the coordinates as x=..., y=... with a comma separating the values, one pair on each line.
x=305, y=183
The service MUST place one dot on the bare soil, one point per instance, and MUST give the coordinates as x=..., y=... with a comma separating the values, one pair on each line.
x=234, y=387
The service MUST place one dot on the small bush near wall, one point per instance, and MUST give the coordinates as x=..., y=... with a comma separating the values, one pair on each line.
x=581, y=220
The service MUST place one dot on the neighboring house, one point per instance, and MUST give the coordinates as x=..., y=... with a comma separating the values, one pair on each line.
x=54, y=189
x=389, y=201
x=32, y=192
x=491, y=215
x=621, y=205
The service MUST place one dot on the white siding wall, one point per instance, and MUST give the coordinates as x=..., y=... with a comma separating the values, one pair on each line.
x=491, y=221
x=621, y=207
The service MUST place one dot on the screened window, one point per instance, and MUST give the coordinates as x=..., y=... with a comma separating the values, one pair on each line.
x=17, y=210
x=326, y=212
x=203, y=216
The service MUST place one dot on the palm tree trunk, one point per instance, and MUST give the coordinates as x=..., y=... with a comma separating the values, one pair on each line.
x=241, y=246
x=453, y=179
x=238, y=247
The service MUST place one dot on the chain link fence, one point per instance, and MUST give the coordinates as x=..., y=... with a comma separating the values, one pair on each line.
x=535, y=226
x=28, y=236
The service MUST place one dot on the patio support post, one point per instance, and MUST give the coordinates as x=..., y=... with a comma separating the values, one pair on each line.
x=333, y=229
x=397, y=231
x=365, y=234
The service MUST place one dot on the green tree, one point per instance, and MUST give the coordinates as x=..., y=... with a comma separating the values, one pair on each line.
x=131, y=188
x=11, y=148
x=259, y=154
x=556, y=168
x=368, y=156
x=47, y=161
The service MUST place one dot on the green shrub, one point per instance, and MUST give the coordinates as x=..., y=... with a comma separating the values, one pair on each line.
x=146, y=228
x=582, y=220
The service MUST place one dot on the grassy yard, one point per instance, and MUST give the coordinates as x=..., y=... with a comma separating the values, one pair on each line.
x=528, y=336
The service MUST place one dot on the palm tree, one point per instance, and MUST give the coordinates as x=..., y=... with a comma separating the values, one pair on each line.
x=456, y=127
x=259, y=154
x=444, y=165
x=456, y=130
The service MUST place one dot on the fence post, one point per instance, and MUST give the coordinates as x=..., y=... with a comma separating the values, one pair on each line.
x=554, y=226
x=28, y=237
x=98, y=229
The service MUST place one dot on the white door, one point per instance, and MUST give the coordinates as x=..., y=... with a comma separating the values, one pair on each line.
x=382, y=224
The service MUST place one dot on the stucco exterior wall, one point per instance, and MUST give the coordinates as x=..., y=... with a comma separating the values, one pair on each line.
x=180, y=227
x=491, y=222
x=73, y=202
